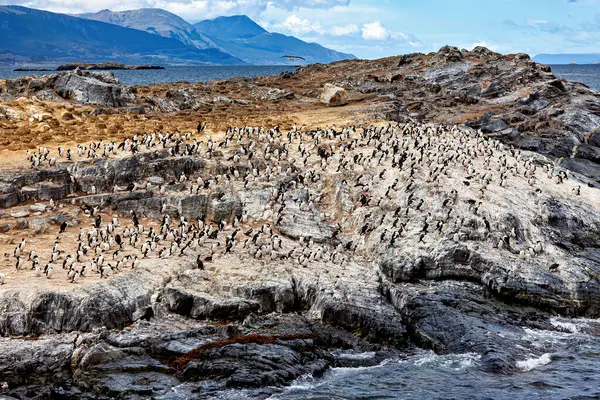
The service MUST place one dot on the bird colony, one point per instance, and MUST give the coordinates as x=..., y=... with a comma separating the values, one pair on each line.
x=333, y=196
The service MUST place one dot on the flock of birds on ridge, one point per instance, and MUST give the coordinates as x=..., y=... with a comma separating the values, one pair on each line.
x=394, y=160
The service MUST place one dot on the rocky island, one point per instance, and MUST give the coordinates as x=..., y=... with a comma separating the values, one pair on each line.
x=238, y=233
x=91, y=67
x=104, y=66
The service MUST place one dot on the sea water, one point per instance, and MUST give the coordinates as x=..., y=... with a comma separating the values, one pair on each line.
x=171, y=73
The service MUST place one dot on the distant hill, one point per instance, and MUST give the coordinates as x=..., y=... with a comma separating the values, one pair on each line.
x=37, y=34
x=246, y=40
x=156, y=21
x=567, y=58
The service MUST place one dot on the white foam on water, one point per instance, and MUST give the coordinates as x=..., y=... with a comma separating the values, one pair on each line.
x=456, y=362
x=308, y=382
x=532, y=363
x=305, y=382
x=345, y=370
x=539, y=338
x=357, y=356
x=572, y=325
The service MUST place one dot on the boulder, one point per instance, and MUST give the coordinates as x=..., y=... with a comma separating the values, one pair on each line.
x=494, y=125
x=89, y=89
x=334, y=96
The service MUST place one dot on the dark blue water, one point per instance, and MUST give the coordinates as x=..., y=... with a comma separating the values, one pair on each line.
x=569, y=367
x=554, y=365
x=588, y=74
x=172, y=74
x=560, y=366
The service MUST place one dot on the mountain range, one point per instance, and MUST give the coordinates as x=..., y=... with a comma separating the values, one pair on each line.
x=146, y=36
x=246, y=40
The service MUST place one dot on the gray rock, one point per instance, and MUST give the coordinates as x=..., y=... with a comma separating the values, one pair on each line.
x=89, y=90
x=37, y=207
x=155, y=180
x=588, y=152
x=19, y=214
x=494, y=125
x=86, y=87
x=207, y=307
x=583, y=166
x=255, y=365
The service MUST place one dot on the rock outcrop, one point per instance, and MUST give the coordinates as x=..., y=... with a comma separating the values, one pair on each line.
x=83, y=87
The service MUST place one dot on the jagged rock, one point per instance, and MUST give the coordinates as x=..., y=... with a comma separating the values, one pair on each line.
x=588, y=152
x=80, y=309
x=469, y=321
x=255, y=365
x=46, y=359
x=207, y=307
x=334, y=96
x=86, y=87
x=271, y=94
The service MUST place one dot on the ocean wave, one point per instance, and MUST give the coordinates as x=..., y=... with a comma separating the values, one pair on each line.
x=578, y=325
x=455, y=362
x=355, y=356
x=343, y=370
x=540, y=338
x=532, y=363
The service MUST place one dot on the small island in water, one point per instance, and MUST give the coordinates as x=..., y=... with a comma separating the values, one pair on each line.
x=89, y=67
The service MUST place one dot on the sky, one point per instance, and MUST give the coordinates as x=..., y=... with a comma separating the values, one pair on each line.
x=379, y=28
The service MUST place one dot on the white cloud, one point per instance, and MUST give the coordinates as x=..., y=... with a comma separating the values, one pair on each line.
x=480, y=44
x=299, y=26
x=374, y=31
x=497, y=47
x=344, y=30
x=293, y=4
x=537, y=22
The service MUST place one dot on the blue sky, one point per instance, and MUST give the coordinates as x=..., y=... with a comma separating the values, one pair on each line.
x=378, y=28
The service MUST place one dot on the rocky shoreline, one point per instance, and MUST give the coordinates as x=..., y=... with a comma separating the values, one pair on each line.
x=478, y=258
